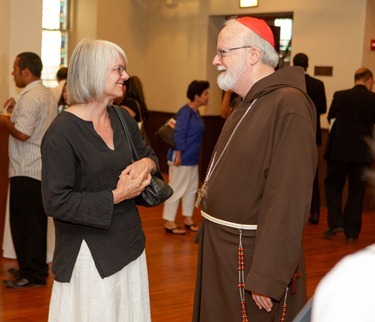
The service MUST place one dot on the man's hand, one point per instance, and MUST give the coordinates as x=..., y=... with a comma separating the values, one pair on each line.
x=9, y=105
x=262, y=302
x=7, y=123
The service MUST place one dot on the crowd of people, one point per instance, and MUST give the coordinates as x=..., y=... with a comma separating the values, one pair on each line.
x=260, y=189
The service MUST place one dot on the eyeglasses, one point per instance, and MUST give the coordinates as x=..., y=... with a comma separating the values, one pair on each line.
x=222, y=52
x=120, y=69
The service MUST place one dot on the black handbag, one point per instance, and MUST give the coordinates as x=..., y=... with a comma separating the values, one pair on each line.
x=158, y=191
x=166, y=131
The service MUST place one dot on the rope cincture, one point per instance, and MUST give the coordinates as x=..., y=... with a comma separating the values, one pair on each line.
x=241, y=278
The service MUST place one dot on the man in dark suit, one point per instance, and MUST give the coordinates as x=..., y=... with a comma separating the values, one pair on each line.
x=315, y=89
x=352, y=113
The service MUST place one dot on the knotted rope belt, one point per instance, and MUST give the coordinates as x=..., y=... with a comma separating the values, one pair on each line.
x=228, y=223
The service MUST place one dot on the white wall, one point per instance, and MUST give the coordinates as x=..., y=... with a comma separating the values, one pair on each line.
x=4, y=50
x=83, y=21
x=123, y=22
x=21, y=23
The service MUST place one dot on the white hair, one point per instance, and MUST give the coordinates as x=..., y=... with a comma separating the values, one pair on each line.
x=88, y=69
x=269, y=55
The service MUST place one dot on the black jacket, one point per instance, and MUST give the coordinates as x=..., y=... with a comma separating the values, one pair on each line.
x=315, y=89
x=354, y=114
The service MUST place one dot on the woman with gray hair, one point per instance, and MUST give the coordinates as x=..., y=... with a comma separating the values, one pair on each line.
x=89, y=184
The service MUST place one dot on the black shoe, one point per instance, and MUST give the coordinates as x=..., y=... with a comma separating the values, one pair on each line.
x=20, y=283
x=314, y=219
x=351, y=239
x=330, y=233
x=14, y=272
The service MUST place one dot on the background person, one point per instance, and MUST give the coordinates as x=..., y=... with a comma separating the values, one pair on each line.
x=30, y=118
x=61, y=76
x=352, y=113
x=63, y=103
x=257, y=192
x=134, y=99
x=134, y=102
x=89, y=184
x=184, y=158
x=315, y=89
x=228, y=103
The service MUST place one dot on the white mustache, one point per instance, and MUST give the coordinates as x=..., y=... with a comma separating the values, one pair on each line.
x=221, y=68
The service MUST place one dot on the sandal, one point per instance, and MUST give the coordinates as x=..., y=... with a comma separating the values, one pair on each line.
x=176, y=230
x=193, y=227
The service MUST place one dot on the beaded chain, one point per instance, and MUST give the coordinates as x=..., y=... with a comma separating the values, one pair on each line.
x=241, y=279
x=202, y=192
x=283, y=312
x=241, y=284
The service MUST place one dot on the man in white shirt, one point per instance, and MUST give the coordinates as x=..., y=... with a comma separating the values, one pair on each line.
x=27, y=120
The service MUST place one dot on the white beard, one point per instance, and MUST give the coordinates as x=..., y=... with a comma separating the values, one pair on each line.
x=229, y=78
x=226, y=81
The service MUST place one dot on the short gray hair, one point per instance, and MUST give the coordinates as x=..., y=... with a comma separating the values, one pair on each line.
x=89, y=66
x=269, y=55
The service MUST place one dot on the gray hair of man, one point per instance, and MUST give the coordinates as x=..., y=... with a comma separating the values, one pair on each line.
x=269, y=55
x=91, y=63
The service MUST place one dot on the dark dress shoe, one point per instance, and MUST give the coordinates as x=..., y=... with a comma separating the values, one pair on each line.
x=351, y=239
x=14, y=272
x=314, y=219
x=19, y=283
x=330, y=233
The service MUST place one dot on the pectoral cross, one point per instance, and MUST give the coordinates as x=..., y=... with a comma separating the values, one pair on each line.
x=202, y=192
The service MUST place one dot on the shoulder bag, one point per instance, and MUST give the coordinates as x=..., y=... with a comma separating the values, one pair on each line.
x=166, y=131
x=158, y=191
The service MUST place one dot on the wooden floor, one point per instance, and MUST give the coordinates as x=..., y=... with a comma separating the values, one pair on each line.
x=171, y=262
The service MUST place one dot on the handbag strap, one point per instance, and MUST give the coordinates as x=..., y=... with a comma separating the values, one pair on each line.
x=139, y=110
x=127, y=134
x=117, y=108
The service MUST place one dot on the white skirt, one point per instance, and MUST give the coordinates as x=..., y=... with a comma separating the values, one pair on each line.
x=121, y=297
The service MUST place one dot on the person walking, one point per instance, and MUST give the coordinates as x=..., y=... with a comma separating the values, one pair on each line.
x=352, y=116
x=183, y=159
x=315, y=89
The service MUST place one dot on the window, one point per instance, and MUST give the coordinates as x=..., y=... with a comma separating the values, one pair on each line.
x=54, y=39
x=286, y=26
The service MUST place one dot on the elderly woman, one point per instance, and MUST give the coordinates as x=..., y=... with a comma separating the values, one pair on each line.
x=89, y=184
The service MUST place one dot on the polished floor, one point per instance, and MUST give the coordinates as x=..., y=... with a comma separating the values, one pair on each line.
x=172, y=261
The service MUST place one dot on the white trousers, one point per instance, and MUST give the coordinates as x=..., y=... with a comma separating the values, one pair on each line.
x=184, y=181
x=121, y=297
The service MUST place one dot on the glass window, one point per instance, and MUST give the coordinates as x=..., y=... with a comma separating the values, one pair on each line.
x=286, y=26
x=285, y=32
x=54, y=39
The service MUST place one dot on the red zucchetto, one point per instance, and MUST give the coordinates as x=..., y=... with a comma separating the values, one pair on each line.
x=260, y=27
